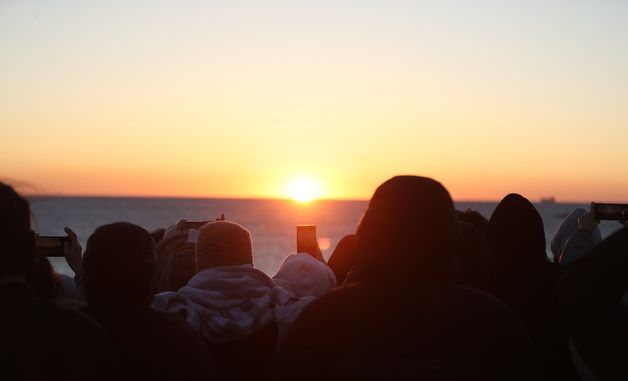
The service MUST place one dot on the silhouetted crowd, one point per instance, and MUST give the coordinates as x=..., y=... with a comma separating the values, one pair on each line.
x=421, y=291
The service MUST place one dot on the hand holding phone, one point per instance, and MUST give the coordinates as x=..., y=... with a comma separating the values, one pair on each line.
x=73, y=251
x=306, y=240
x=183, y=226
x=193, y=225
x=587, y=221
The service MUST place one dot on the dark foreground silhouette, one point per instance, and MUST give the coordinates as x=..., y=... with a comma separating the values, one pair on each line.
x=524, y=279
x=38, y=339
x=119, y=269
x=420, y=291
x=405, y=317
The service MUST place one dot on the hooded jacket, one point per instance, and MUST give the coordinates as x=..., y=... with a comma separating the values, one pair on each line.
x=525, y=279
x=229, y=303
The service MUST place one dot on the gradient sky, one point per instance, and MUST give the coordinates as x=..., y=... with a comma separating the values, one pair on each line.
x=236, y=98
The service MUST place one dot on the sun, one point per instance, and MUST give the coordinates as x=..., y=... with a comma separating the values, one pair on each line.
x=303, y=189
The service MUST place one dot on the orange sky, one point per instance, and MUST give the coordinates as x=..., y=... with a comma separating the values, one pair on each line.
x=236, y=99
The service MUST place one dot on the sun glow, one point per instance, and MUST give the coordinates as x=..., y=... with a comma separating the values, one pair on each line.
x=303, y=189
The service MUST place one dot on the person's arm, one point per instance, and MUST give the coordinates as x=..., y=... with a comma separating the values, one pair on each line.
x=590, y=293
x=73, y=255
x=576, y=246
x=581, y=241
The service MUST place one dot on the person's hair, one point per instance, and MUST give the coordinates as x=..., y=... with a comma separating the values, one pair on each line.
x=119, y=267
x=516, y=233
x=17, y=240
x=409, y=230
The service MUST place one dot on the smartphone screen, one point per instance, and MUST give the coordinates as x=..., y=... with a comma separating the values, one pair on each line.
x=51, y=246
x=306, y=239
x=610, y=212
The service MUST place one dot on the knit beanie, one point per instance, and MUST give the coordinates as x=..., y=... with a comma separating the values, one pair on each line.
x=223, y=243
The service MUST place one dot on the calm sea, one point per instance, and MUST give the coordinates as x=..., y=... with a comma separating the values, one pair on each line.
x=271, y=222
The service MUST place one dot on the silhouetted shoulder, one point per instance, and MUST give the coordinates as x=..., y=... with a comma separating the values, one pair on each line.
x=433, y=332
x=55, y=342
x=157, y=345
x=354, y=299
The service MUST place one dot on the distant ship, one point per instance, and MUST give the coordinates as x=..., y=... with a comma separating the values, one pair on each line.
x=548, y=200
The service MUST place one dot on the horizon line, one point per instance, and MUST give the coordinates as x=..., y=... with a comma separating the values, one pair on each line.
x=251, y=198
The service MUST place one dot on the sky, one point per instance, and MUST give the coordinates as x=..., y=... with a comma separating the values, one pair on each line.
x=239, y=98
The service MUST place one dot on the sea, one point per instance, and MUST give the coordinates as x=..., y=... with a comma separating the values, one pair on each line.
x=272, y=223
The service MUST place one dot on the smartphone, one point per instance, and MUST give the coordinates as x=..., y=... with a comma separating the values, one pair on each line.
x=194, y=224
x=51, y=246
x=611, y=212
x=306, y=239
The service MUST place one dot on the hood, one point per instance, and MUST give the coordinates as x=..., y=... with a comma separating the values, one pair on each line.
x=516, y=235
x=409, y=230
x=303, y=275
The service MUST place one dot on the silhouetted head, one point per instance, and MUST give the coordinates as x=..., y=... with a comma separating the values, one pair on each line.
x=516, y=234
x=223, y=243
x=474, y=258
x=17, y=240
x=474, y=218
x=119, y=267
x=409, y=230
